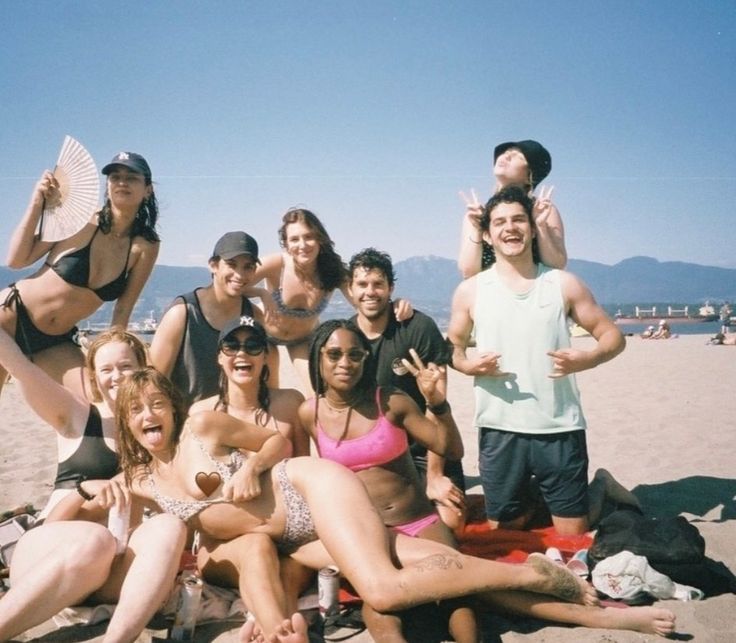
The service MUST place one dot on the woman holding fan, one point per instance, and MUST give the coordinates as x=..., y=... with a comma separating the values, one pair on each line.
x=109, y=259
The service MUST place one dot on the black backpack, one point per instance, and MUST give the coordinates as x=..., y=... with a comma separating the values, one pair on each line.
x=672, y=546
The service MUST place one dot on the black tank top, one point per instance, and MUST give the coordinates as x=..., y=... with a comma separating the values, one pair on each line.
x=74, y=269
x=93, y=459
x=196, y=373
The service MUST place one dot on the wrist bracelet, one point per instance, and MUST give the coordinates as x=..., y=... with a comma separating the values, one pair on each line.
x=439, y=409
x=82, y=492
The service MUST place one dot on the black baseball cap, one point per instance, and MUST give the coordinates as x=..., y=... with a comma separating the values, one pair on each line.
x=244, y=321
x=130, y=160
x=536, y=155
x=234, y=244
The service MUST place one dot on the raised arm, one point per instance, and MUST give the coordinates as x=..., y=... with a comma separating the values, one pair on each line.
x=137, y=279
x=268, y=272
x=25, y=246
x=471, y=241
x=53, y=403
x=550, y=232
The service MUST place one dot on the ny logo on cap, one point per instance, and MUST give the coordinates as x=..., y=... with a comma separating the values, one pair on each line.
x=247, y=321
x=123, y=156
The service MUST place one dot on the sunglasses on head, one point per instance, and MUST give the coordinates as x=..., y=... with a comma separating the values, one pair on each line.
x=355, y=355
x=251, y=346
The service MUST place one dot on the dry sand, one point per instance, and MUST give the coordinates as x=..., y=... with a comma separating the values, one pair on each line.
x=661, y=418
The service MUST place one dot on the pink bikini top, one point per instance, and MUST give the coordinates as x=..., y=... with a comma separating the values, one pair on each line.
x=383, y=443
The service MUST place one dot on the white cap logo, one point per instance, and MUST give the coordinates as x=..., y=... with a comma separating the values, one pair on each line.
x=247, y=321
x=123, y=156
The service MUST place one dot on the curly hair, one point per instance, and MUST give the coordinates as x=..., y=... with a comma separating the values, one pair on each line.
x=331, y=270
x=321, y=335
x=132, y=453
x=372, y=259
x=109, y=337
x=509, y=194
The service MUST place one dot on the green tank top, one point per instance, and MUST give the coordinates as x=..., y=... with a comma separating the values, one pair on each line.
x=522, y=328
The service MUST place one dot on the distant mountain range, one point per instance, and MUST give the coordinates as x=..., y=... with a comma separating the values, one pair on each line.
x=430, y=281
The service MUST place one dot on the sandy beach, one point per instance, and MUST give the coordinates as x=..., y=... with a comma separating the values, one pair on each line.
x=661, y=418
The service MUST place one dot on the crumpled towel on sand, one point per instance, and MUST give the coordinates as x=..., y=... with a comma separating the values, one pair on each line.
x=625, y=576
x=217, y=603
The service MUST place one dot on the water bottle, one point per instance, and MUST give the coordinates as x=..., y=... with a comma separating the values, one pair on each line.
x=190, y=596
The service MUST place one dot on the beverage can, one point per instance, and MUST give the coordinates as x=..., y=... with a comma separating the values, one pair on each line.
x=328, y=586
x=118, y=523
x=190, y=596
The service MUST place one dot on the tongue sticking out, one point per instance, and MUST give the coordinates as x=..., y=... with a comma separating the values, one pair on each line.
x=154, y=436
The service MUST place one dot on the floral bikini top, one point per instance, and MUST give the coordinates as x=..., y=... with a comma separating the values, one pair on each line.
x=187, y=509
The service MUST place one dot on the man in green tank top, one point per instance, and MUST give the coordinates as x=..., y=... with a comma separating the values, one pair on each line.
x=527, y=405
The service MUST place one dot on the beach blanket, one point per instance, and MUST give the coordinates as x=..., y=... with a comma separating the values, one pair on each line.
x=512, y=545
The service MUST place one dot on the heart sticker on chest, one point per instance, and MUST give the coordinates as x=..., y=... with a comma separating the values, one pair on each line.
x=208, y=482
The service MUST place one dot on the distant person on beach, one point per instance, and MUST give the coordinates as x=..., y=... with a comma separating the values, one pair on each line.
x=724, y=314
x=663, y=331
x=109, y=259
x=185, y=346
x=371, y=286
x=528, y=407
x=299, y=284
x=525, y=164
x=648, y=332
x=70, y=558
x=723, y=340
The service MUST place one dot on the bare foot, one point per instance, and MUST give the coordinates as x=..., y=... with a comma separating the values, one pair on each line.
x=248, y=634
x=561, y=582
x=614, y=490
x=648, y=620
x=293, y=630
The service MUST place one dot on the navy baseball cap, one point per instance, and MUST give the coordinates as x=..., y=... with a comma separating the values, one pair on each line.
x=234, y=244
x=132, y=161
x=244, y=321
x=536, y=155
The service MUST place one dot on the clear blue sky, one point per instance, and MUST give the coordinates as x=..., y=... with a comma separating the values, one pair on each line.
x=374, y=115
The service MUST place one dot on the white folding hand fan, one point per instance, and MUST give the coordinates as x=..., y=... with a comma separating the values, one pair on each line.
x=79, y=185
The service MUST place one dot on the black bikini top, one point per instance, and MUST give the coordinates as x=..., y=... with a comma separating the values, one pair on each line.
x=74, y=269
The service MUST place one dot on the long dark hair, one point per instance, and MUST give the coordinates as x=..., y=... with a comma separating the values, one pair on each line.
x=321, y=335
x=145, y=221
x=331, y=270
x=132, y=453
x=262, y=413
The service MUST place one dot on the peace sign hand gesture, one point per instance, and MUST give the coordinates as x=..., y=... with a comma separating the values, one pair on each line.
x=473, y=207
x=543, y=206
x=430, y=378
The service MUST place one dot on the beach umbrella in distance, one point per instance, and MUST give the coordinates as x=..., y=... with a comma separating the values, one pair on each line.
x=79, y=186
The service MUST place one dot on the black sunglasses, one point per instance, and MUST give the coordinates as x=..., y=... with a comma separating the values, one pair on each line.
x=252, y=346
x=355, y=355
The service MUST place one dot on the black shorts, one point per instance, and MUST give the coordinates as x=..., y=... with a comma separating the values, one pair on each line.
x=558, y=461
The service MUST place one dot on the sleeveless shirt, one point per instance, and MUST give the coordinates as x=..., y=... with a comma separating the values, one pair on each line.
x=522, y=328
x=196, y=372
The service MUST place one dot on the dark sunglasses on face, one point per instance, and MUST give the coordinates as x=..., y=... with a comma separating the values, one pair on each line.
x=355, y=355
x=252, y=346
